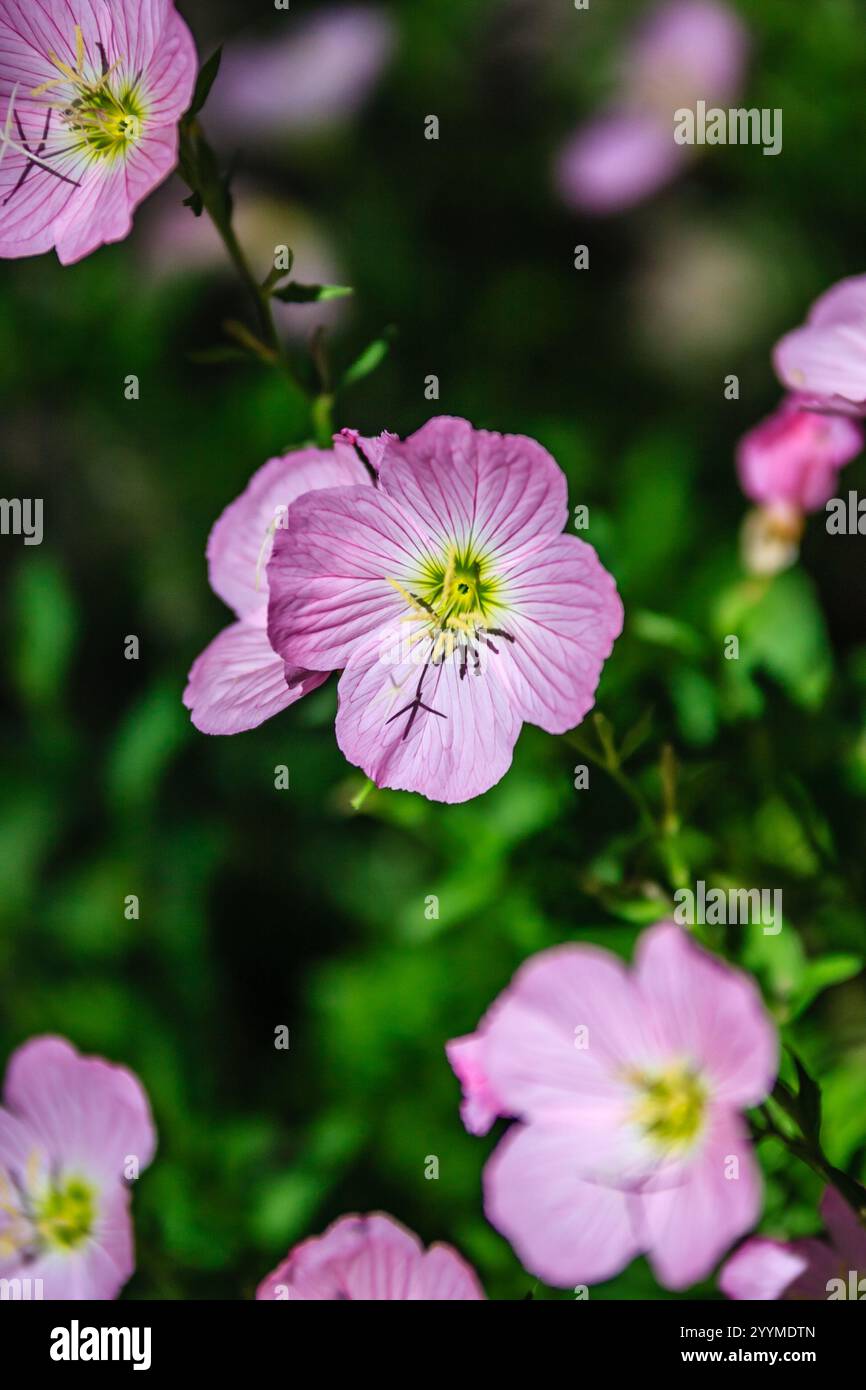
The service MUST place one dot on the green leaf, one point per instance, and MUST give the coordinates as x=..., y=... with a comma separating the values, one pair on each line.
x=204, y=82
x=372, y=357
x=147, y=740
x=46, y=620
x=637, y=734
x=293, y=293
x=781, y=632
x=820, y=975
x=661, y=630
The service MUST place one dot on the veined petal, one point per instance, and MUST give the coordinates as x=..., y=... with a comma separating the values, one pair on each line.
x=500, y=490
x=423, y=729
x=240, y=544
x=239, y=681
x=564, y=614
x=331, y=572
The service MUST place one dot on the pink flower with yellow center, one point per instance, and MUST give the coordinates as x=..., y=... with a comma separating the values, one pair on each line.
x=91, y=93
x=74, y=1132
x=453, y=602
x=627, y=1087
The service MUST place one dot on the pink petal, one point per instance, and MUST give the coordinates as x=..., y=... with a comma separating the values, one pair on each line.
x=690, y=50
x=442, y=1275
x=452, y=754
x=564, y=1231
x=154, y=39
x=241, y=541
x=564, y=1033
x=761, y=1269
x=709, y=1013
x=370, y=1258
x=564, y=614
x=480, y=1105
x=618, y=160
x=793, y=456
x=329, y=573
x=84, y=1110
x=825, y=360
x=687, y=1228
x=97, y=1271
x=28, y=213
x=847, y=1233
x=238, y=682
x=457, y=482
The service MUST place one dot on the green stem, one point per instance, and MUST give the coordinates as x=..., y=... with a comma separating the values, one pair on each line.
x=811, y=1153
x=199, y=169
x=360, y=797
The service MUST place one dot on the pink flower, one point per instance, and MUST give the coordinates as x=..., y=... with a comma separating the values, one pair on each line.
x=628, y=1087
x=789, y=464
x=371, y=1259
x=452, y=600
x=825, y=360
x=687, y=50
x=90, y=99
x=239, y=681
x=806, y=1269
x=73, y=1132
x=794, y=456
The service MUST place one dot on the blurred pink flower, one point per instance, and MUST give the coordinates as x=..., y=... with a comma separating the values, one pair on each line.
x=789, y=464
x=315, y=75
x=239, y=681
x=685, y=51
x=804, y=1269
x=371, y=1259
x=454, y=602
x=824, y=361
x=73, y=1132
x=628, y=1088
x=794, y=456
x=90, y=101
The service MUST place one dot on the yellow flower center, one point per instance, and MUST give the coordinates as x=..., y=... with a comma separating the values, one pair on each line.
x=103, y=113
x=671, y=1106
x=64, y=1216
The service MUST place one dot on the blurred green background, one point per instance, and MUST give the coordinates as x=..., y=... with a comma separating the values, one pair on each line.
x=262, y=907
